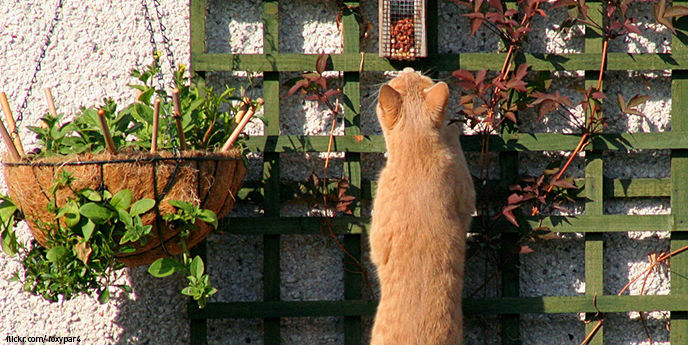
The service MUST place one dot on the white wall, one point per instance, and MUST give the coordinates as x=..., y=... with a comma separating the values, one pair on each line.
x=96, y=44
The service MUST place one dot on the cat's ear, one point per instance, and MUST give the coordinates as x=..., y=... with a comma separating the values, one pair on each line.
x=436, y=98
x=390, y=101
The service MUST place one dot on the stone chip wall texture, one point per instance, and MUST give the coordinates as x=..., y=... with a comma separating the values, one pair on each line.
x=97, y=43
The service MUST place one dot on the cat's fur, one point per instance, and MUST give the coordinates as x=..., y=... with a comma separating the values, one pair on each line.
x=422, y=209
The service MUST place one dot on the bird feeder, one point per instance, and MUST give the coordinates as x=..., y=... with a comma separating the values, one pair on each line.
x=402, y=29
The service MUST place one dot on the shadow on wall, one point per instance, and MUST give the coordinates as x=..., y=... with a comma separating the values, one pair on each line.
x=155, y=312
x=234, y=27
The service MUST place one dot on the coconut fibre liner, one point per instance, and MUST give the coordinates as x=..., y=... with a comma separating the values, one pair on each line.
x=209, y=179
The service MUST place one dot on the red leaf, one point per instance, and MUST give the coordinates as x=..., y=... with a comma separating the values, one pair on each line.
x=637, y=100
x=476, y=21
x=621, y=102
x=312, y=76
x=517, y=85
x=480, y=76
x=322, y=82
x=514, y=199
x=463, y=74
x=563, y=3
x=632, y=28
x=598, y=95
x=545, y=108
x=510, y=13
x=510, y=217
x=667, y=22
x=564, y=184
x=496, y=4
x=521, y=71
x=477, y=4
x=561, y=209
x=525, y=250
x=509, y=208
x=659, y=9
x=342, y=187
x=515, y=187
x=465, y=99
x=330, y=93
x=298, y=85
x=511, y=116
x=676, y=11
x=321, y=63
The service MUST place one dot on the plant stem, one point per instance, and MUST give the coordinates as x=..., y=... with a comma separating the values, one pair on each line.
x=178, y=119
x=584, y=140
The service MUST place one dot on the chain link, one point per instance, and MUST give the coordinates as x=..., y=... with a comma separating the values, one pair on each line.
x=163, y=32
x=39, y=60
x=170, y=56
x=154, y=45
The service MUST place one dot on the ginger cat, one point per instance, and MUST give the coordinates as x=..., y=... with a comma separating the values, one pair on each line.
x=422, y=209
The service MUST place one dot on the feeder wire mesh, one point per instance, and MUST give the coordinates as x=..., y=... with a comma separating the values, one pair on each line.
x=402, y=26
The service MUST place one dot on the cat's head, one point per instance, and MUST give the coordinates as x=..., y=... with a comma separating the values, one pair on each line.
x=412, y=101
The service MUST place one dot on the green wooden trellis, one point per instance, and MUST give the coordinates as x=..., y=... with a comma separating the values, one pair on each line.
x=508, y=145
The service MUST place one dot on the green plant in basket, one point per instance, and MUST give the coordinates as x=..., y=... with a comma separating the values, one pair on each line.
x=90, y=233
x=207, y=119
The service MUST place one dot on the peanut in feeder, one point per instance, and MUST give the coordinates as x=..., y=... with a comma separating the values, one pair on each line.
x=402, y=29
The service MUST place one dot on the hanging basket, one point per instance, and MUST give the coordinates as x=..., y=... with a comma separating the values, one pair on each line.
x=210, y=180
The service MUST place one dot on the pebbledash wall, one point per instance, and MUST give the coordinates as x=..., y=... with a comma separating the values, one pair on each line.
x=97, y=43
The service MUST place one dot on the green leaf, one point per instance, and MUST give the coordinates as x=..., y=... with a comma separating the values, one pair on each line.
x=91, y=195
x=127, y=249
x=7, y=209
x=196, y=268
x=97, y=213
x=129, y=236
x=188, y=291
x=164, y=267
x=122, y=199
x=209, y=217
x=70, y=214
x=9, y=242
x=195, y=104
x=104, y=296
x=87, y=230
x=183, y=205
x=142, y=206
x=54, y=254
x=125, y=218
x=125, y=288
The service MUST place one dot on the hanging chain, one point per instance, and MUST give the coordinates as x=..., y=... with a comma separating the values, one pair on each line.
x=154, y=45
x=39, y=60
x=170, y=59
x=163, y=32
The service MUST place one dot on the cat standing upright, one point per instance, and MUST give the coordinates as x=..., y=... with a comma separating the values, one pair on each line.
x=422, y=209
